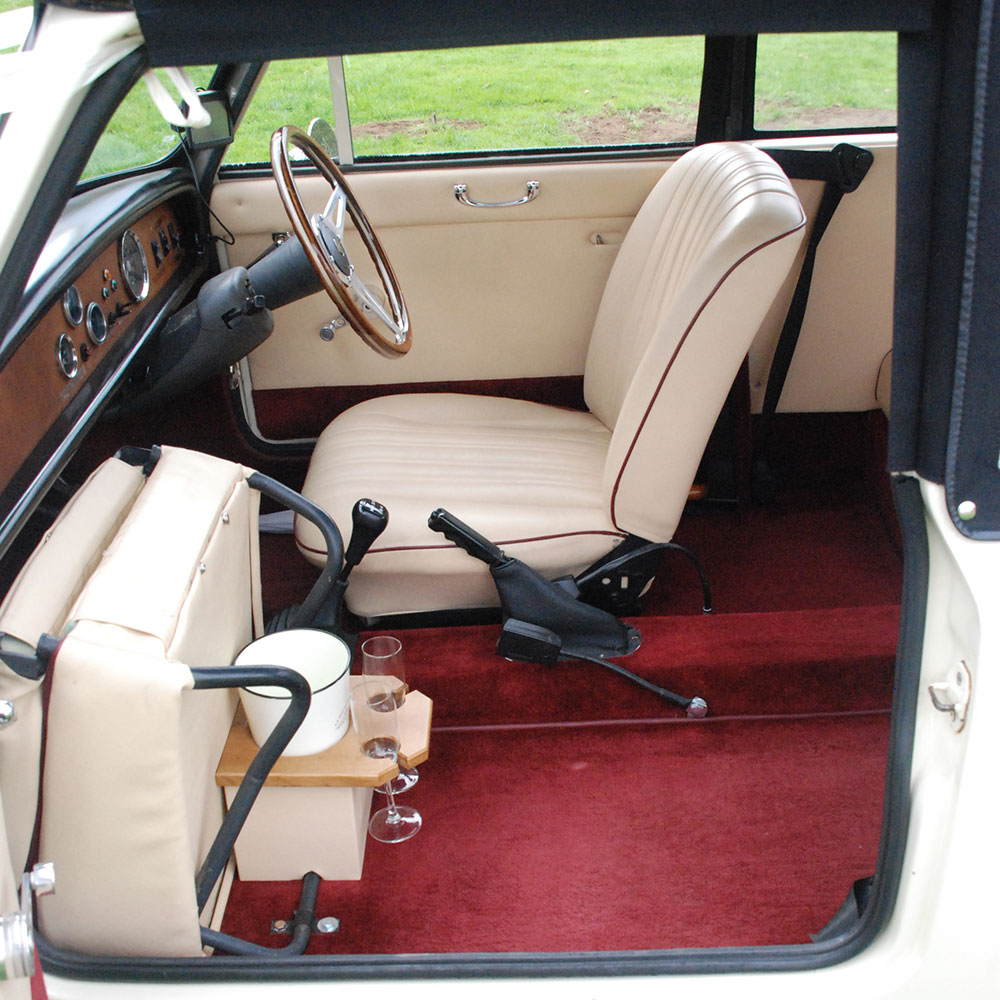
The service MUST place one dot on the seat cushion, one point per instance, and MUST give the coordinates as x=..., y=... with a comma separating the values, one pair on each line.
x=525, y=475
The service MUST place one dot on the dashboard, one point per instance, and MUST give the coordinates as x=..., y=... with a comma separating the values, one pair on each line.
x=118, y=263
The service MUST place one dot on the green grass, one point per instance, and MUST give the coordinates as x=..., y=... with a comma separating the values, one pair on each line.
x=504, y=97
x=534, y=96
x=137, y=134
x=803, y=73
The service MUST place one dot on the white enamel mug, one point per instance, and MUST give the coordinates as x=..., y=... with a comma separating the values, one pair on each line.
x=324, y=660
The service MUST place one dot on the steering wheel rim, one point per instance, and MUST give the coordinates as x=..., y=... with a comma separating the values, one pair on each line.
x=321, y=236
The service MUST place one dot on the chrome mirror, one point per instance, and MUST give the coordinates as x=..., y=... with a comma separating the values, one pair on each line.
x=322, y=132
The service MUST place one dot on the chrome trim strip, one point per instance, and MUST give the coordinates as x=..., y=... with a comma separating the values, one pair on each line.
x=341, y=111
x=245, y=390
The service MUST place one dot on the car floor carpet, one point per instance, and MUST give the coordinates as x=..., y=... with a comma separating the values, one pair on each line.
x=615, y=836
x=566, y=809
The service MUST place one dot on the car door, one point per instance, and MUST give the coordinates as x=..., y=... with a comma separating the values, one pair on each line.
x=501, y=298
x=502, y=293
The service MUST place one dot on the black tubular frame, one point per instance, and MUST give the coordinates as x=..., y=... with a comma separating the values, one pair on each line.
x=215, y=678
x=310, y=609
x=302, y=927
x=211, y=678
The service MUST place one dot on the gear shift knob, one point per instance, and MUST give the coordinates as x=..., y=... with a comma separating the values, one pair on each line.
x=369, y=519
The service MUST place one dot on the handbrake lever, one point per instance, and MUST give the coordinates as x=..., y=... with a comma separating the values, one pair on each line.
x=466, y=538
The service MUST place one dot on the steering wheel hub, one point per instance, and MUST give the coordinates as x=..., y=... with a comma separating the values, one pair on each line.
x=334, y=247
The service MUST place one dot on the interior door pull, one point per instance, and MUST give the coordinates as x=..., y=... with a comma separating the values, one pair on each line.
x=462, y=195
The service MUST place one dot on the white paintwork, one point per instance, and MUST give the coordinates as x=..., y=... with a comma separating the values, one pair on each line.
x=49, y=83
x=14, y=27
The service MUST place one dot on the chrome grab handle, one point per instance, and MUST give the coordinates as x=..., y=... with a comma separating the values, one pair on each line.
x=532, y=186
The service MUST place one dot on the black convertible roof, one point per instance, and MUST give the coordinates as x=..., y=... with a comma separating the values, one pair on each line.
x=192, y=32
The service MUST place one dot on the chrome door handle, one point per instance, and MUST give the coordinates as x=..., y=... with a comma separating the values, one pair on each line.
x=462, y=196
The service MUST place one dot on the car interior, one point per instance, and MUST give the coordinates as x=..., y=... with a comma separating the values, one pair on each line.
x=601, y=437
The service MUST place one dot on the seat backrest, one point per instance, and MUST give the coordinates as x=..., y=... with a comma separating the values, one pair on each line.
x=693, y=280
x=168, y=580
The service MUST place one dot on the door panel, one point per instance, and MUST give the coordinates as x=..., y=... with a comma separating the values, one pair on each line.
x=847, y=329
x=503, y=299
x=492, y=293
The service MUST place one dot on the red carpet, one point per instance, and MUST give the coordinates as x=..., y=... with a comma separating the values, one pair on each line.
x=786, y=663
x=566, y=809
x=612, y=837
x=797, y=554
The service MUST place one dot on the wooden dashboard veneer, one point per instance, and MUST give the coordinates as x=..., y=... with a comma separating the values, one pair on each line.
x=33, y=390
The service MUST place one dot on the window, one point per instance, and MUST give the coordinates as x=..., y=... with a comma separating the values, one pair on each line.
x=836, y=81
x=137, y=133
x=596, y=93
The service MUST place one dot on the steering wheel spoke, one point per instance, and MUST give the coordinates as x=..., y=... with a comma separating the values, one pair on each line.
x=368, y=300
x=384, y=328
x=335, y=213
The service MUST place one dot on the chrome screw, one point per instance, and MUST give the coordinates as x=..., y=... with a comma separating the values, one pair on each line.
x=967, y=510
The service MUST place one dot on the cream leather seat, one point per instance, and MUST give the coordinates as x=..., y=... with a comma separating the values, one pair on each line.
x=695, y=276
x=141, y=578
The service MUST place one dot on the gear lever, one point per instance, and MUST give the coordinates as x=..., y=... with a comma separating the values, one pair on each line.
x=369, y=519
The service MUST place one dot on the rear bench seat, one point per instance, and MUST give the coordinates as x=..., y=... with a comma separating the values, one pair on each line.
x=141, y=578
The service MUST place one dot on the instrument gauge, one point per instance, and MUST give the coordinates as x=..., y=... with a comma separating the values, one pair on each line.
x=134, y=266
x=66, y=356
x=97, y=324
x=72, y=305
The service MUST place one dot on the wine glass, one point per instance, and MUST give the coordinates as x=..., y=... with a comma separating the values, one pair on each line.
x=373, y=711
x=382, y=656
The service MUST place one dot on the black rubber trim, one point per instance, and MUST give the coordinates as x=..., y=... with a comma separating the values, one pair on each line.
x=484, y=158
x=936, y=97
x=725, y=105
x=909, y=655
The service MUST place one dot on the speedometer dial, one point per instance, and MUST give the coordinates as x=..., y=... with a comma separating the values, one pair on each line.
x=134, y=266
x=72, y=305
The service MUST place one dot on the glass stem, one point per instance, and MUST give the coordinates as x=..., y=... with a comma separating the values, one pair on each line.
x=393, y=814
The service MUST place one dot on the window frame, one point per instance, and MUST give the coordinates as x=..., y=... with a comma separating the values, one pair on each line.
x=725, y=112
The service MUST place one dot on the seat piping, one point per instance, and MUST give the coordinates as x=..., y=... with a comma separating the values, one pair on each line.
x=673, y=358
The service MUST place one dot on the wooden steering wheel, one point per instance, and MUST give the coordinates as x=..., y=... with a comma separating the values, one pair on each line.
x=385, y=328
